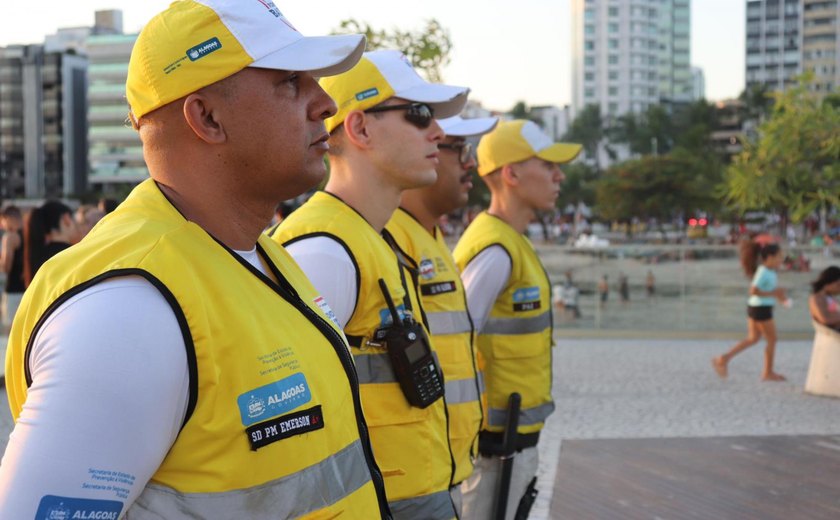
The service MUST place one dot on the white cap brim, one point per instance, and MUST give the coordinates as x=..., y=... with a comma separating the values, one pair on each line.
x=320, y=55
x=445, y=100
x=459, y=127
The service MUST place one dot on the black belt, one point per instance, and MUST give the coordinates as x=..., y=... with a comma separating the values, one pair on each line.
x=490, y=443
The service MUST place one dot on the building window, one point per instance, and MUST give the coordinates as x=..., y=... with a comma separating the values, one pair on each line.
x=589, y=92
x=589, y=60
x=613, y=91
x=589, y=76
x=589, y=29
x=589, y=45
x=613, y=27
x=613, y=43
x=613, y=59
x=613, y=74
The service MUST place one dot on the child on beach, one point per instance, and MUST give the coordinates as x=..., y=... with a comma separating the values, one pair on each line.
x=823, y=304
x=760, y=261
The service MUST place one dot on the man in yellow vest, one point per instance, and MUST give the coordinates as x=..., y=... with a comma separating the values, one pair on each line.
x=383, y=140
x=509, y=297
x=177, y=363
x=414, y=227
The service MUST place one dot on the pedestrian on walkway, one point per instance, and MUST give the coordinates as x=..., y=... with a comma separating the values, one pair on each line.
x=603, y=291
x=650, y=284
x=11, y=261
x=47, y=230
x=623, y=288
x=760, y=262
x=823, y=304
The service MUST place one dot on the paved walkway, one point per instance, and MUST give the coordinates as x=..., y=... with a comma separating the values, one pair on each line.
x=625, y=389
x=617, y=388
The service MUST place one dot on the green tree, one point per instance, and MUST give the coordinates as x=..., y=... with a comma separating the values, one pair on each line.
x=646, y=133
x=579, y=185
x=587, y=129
x=693, y=127
x=657, y=187
x=758, y=101
x=794, y=166
x=427, y=49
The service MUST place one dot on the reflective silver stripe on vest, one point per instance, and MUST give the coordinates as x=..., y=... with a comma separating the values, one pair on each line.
x=376, y=368
x=310, y=489
x=482, y=388
x=518, y=325
x=527, y=417
x=453, y=322
x=461, y=391
x=437, y=506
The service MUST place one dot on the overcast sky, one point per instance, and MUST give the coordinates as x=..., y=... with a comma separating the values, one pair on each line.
x=505, y=51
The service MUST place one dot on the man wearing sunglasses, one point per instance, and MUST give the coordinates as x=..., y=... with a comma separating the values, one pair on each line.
x=509, y=298
x=414, y=227
x=383, y=141
x=177, y=363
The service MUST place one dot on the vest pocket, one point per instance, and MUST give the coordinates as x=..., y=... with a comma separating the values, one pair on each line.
x=385, y=405
x=518, y=347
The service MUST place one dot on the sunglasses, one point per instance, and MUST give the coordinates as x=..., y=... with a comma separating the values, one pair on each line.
x=418, y=114
x=465, y=151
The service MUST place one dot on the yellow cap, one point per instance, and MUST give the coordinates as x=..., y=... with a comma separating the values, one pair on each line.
x=519, y=140
x=381, y=75
x=195, y=43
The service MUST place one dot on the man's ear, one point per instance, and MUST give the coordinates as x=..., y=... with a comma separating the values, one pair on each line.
x=203, y=119
x=356, y=129
x=510, y=175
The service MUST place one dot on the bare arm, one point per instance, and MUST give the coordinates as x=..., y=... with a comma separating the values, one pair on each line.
x=820, y=312
x=7, y=252
x=777, y=293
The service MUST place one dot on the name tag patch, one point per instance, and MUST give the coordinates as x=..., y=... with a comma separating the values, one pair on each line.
x=273, y=399
x=66, y=508
x=527, y=306
x=297, y=423
x=431, y=289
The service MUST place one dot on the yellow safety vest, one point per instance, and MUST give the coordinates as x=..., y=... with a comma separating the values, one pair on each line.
x=515, y=343
x=410, y=444
x=274, y=425
x=443, y=298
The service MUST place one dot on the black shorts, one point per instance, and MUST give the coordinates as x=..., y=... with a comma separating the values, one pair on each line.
x=760, y=313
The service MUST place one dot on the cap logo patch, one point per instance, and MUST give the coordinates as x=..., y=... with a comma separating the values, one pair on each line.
x=203, y=49
x=271, y=8
x=369, y=93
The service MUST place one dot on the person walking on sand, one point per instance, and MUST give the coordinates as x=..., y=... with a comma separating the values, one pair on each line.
x=603, y=290
x=759, y=261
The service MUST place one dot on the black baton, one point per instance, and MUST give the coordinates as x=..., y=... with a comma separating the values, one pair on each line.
x=508, y=453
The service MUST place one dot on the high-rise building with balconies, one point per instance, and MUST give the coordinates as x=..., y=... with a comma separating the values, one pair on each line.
x=116, y=154
x=821, y=45
x=631, y=54
x=43, y=148
x=774, y=43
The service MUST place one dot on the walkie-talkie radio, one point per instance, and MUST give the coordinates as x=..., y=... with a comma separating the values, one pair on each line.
x=416, y=369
